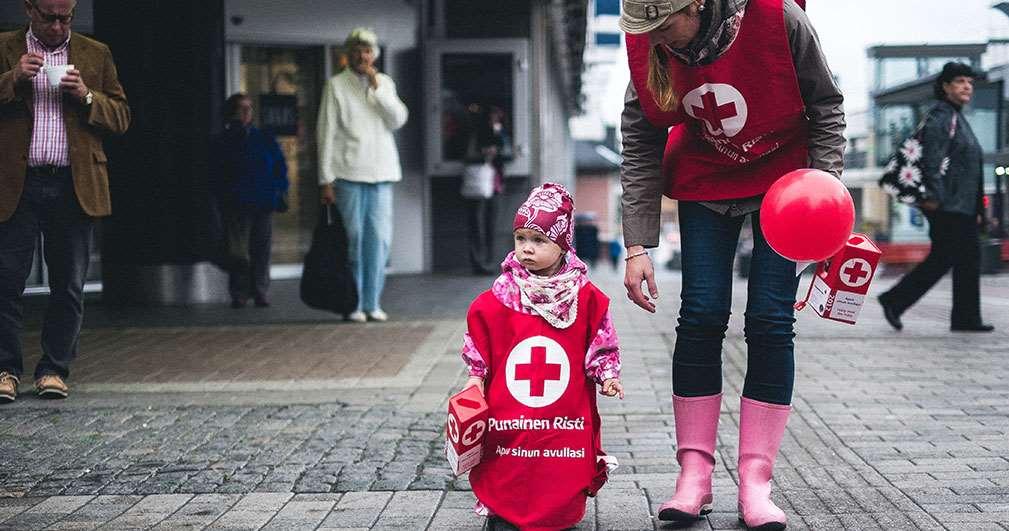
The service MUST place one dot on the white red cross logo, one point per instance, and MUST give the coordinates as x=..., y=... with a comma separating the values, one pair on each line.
x=720, y=107
x=453, y=428
x=537, y=371
x=855, y=272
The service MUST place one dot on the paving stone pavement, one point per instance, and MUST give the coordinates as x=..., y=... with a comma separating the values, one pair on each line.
x=185, y=430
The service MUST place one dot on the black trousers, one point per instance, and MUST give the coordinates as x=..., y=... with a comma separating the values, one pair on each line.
x=48, y=207
x=254, y=279
x=954, y=246
x=481, y=214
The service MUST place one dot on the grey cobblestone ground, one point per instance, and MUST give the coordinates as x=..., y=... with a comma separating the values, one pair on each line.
x=889, y=431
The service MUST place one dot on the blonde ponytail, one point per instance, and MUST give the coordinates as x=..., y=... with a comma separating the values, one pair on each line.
x=659, y=83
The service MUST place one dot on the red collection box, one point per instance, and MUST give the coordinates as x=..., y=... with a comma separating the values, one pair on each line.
x=841, y=284
x=465, y=429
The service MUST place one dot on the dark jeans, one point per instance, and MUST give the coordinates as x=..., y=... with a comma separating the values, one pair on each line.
x=49, y=207
x=481, y=213
x=954, y=245
x=708, y=246
x=254, y=279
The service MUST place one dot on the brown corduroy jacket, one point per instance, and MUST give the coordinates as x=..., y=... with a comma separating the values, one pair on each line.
x=108, y=113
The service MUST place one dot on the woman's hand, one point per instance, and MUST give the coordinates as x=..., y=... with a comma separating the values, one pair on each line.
x=929, y=205
x=638, y=270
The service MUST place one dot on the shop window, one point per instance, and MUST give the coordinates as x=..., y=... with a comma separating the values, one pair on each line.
x=285, y=86
x=894, y=123
x=472, y=80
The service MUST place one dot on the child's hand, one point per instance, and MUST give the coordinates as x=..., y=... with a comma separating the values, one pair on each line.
x=477, y=381
x=612, y=387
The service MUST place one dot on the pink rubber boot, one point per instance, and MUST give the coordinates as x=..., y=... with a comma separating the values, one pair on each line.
x=696, y=428
x=761, y=426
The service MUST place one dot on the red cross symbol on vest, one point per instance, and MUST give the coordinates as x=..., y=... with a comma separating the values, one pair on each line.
x=855, y=272
x=713, y=113
x=721, y=107
x=537, y=371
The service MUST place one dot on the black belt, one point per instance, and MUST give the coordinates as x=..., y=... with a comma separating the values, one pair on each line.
x=49, y=170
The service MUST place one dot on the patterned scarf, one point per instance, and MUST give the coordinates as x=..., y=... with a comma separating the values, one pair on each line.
x=554, y=298
x=719, y=27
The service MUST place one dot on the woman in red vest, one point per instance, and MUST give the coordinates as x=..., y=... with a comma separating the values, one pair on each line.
x=726, y=96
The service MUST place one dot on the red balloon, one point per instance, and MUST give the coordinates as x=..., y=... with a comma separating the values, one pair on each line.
x=807, y=215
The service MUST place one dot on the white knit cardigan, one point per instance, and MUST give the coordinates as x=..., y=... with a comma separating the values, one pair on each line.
x=355, y=129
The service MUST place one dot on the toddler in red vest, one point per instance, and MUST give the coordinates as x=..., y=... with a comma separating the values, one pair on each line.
x=537, y=344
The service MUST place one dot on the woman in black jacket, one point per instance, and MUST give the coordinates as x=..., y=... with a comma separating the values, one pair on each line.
x=952, y=167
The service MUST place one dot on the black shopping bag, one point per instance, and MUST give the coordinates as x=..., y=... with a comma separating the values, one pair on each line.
x=327, y=282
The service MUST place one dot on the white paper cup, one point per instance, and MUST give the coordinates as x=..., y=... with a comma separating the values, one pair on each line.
x=56, y=72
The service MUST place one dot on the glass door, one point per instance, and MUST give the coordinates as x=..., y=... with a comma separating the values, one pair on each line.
x=285, y=83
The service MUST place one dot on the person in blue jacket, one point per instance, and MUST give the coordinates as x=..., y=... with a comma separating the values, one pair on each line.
x=250, y=184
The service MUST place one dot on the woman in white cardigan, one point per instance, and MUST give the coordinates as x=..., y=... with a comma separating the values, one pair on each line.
x=358, y=163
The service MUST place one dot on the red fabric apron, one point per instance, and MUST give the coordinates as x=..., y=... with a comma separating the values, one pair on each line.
x=540, y=452
x=741, y=123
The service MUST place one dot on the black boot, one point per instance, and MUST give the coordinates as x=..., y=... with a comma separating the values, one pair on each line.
x=891, y=315
x=979, y=327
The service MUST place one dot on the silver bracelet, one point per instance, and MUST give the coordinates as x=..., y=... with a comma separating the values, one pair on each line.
x=635, y=255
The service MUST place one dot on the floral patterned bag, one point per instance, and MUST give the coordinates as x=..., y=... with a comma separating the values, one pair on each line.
x=903, y=177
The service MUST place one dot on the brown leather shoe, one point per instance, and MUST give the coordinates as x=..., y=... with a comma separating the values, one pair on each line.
x=51, y=386
x=8, y=387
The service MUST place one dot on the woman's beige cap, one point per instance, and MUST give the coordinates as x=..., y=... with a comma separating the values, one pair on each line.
x=642, y=16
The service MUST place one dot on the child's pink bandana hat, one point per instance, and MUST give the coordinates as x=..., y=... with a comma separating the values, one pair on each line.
x=549, y=210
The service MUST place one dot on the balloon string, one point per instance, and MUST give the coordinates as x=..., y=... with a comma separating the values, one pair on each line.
x=802, y=304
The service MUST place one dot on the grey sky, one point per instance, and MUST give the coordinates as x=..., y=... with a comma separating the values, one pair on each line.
x=848, y=27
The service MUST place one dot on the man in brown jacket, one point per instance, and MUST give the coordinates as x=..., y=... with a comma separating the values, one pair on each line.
x=59, y=95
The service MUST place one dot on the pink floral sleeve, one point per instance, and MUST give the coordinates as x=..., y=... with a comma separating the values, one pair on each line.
x=602, y=361
x=474, y=360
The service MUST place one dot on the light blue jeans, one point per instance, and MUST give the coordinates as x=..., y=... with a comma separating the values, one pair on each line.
x=367, y=213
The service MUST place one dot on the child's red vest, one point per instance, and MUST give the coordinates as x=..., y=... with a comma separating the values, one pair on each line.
x=741, y=120
x=540, y=450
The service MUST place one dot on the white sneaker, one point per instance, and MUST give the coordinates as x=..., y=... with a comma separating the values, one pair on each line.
x=378, y=315
x=357, y=317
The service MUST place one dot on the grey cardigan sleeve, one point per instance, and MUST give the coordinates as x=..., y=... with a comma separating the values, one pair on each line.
x=641, y=173
x=823, y=99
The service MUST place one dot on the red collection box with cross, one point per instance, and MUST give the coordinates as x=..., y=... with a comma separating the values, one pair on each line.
x=841, y=283
x=464, y=429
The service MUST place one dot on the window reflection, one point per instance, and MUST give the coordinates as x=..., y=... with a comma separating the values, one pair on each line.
x=473, y=86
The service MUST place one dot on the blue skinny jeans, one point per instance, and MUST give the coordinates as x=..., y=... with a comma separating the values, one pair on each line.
x=708, y=246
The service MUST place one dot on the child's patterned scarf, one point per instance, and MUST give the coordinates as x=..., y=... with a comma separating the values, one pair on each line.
x=554, y=298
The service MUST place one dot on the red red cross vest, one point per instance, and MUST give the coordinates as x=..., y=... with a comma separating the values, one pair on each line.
x=540, y=450
x=741, y=123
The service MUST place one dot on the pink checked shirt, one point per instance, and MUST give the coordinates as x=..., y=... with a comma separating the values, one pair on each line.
x=49, y=135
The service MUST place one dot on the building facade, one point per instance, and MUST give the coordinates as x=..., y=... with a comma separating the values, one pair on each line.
x=901, y=96
x=446, y=56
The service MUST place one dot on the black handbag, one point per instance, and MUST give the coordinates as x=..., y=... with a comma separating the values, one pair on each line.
x=903, y=177
x=327, y=282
